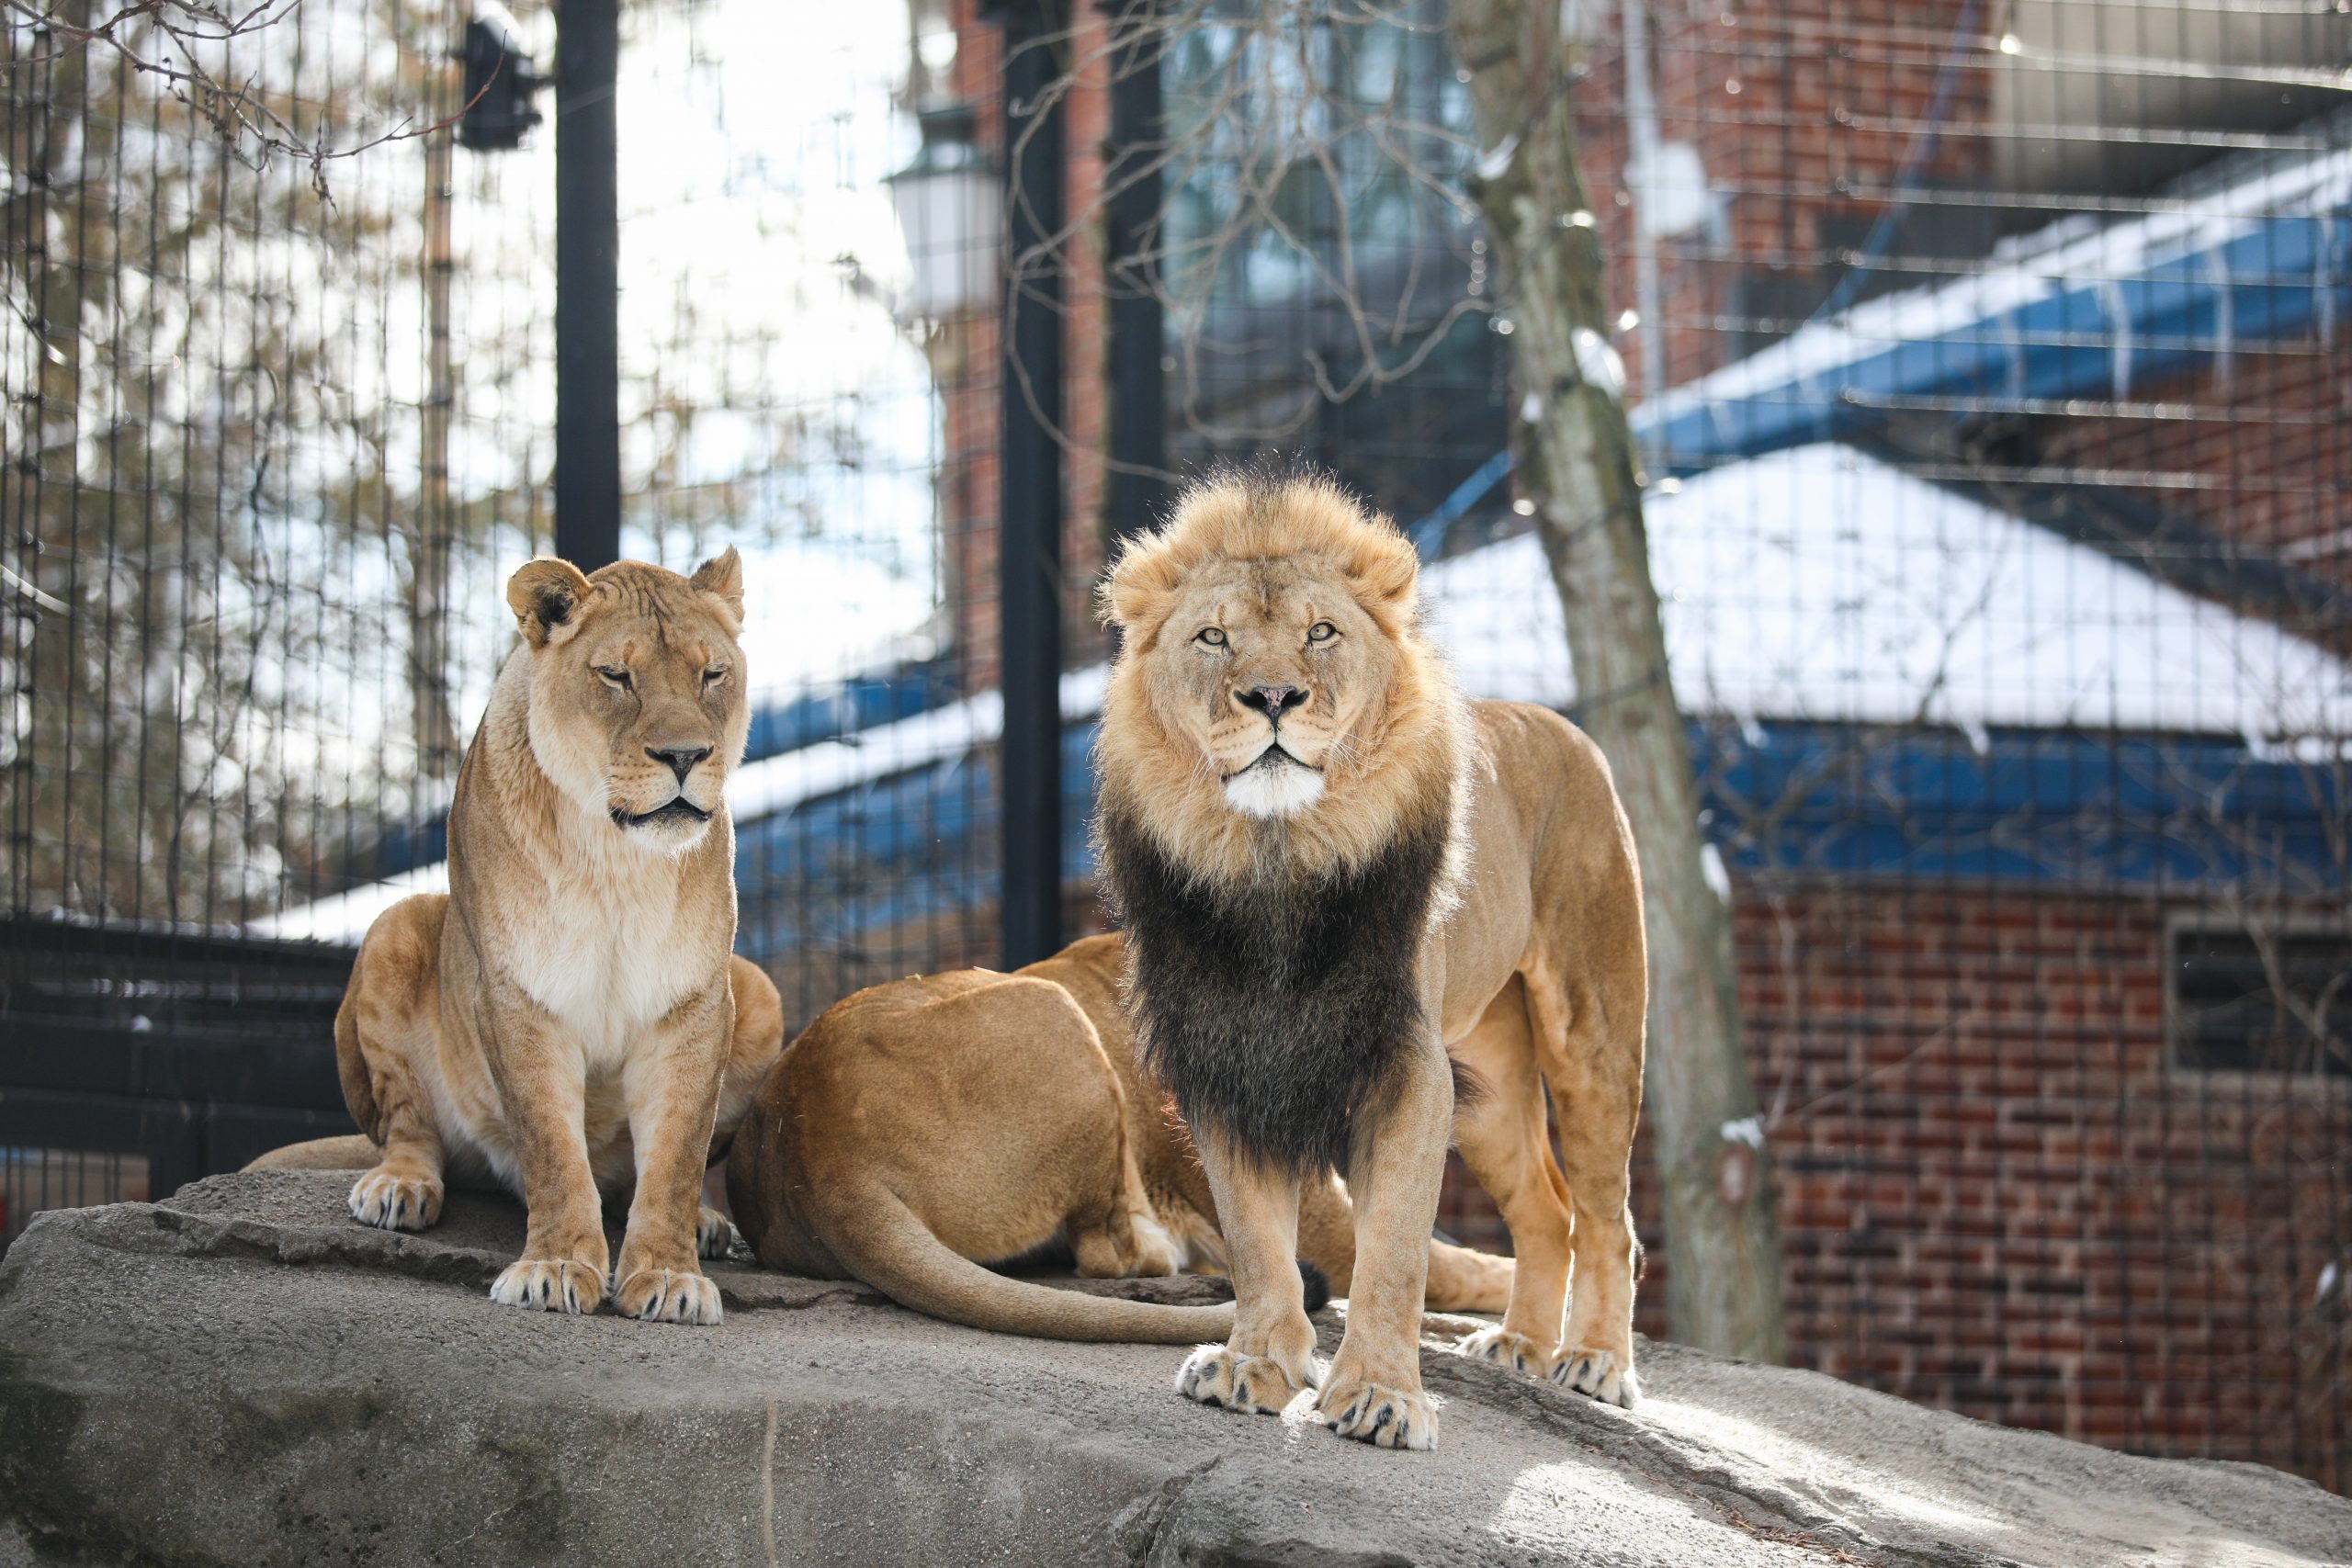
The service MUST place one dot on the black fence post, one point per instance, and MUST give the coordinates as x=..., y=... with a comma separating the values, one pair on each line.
x=587, y=285
x=1029, y=511
x=1135, y=492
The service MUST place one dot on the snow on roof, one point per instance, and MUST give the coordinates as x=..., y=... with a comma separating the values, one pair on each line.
x=1820, y=584
x=1812, y=584
x=2031, y=267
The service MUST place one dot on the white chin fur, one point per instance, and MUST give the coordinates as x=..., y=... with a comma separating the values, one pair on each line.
x=672, y=837
x=1274, y=790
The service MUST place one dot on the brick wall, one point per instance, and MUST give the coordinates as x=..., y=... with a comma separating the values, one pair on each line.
x=1999, y=1198
x=1806, y=115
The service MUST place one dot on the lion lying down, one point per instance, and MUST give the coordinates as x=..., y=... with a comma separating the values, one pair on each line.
x=920, y=1128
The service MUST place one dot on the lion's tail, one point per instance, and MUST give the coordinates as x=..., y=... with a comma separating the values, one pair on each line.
x=886, y=1245
x=1465, y=1279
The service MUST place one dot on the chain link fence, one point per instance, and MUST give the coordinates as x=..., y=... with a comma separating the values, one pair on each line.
x=1989, y=365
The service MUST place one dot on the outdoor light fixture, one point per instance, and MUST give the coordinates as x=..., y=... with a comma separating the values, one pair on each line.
x=952, y=214
x=499, y=83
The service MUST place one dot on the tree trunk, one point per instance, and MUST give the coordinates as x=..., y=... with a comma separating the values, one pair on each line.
x=1578, y=463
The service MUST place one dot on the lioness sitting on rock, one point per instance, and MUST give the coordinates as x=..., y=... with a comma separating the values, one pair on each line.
x=920, y=1129
x=1341, y=885
x=569, y=1019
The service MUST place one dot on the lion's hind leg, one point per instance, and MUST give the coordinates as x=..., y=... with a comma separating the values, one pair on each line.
x=1113, y=1231
x=1505, y=1141
x=383, y=1046
x=1591, y=1043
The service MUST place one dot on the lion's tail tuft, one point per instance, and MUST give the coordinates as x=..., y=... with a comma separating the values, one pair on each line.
x=1318, y=1283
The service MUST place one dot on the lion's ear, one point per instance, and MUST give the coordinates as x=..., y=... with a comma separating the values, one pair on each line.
x=722, y=577
x=1386, y=571
x=545, y=596
x=1140, y=585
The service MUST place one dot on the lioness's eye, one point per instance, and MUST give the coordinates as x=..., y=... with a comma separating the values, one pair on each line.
x=614, y=677
x=713, y=677
x=1321, y=631
x=1212, y=637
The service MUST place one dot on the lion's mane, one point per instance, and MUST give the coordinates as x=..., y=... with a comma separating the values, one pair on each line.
x=1273, y=963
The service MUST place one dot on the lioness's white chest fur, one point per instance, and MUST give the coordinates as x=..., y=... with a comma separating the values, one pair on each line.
x=603, y=954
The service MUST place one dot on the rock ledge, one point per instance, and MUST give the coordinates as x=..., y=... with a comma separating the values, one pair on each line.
x=242, y=1375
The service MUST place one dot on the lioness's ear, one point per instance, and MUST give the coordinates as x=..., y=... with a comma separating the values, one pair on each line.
x=1386, y=571
x=546, y=597
x=723, y=578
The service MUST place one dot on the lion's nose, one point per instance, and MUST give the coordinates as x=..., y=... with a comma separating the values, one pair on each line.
x=681, y=759
x=1272, y=701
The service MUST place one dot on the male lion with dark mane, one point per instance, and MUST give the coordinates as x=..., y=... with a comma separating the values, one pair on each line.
x=1343, y=887
x=569, y=1019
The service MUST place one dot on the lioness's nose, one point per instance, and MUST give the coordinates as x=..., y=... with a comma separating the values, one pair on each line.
x=681, y=759
x=1272, y=701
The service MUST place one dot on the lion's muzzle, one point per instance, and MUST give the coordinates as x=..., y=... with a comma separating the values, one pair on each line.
x=1275, y=784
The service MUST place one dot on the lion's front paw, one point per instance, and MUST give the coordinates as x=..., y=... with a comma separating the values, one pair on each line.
x=714, y=1234
x=548, y=1284
x=1254, y=1386
x=1376, y=1413
x=668, y=1295
x=1517, y=1351
x=1604, y=1374
x=396, y=1203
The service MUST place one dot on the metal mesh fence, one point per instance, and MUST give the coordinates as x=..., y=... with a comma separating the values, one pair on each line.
x=1988, y=361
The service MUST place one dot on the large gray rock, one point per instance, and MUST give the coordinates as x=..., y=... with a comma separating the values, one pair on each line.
x=243, y=1376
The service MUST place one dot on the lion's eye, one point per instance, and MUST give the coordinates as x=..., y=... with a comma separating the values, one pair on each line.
x=1321, y=631
x=713, y=677
x=1212, y=637
x=614, y=677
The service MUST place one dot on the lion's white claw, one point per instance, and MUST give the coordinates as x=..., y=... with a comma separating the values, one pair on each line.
x=1517, y=1351
x=1253, y=1385
x=544, y=1284
x=668, y=1295
x=1388, y=1417
x=395, y=1203
x=714, y=1235
x=1600, y=1374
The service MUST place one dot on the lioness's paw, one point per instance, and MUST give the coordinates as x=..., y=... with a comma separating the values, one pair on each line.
x=1375, y=1413
x=714, y=1235
x=668, y=1295
x=1605, y=1375
x=1517, y=1351
x=396, y=1203
x=1254, y=1386
x=548, y=1284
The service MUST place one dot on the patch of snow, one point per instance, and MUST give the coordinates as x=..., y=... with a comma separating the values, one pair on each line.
x=1711, y=867
x=1748, y=1130
x=1820, y=584
x=1598, y=363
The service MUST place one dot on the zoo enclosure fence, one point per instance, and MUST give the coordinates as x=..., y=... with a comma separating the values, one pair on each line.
x=1990, y=366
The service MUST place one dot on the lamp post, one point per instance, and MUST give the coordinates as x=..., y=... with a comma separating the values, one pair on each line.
x=952, y=215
